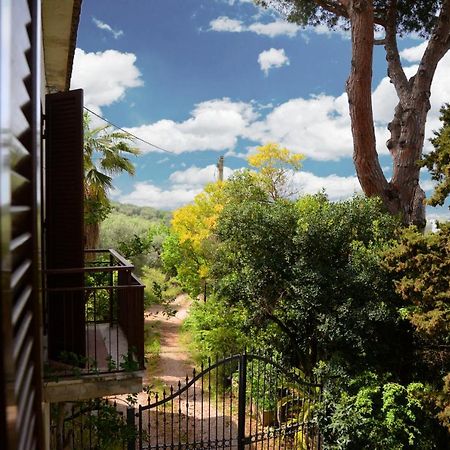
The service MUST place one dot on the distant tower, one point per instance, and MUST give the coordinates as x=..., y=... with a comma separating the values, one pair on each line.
x=220, y=168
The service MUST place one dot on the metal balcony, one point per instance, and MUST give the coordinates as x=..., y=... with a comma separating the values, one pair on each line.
x=95, y=317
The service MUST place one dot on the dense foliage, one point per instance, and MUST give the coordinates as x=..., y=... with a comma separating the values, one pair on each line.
x=330, y=288
x=216, y=329
x=312, y=269
x=145, y=212
x=420, y=266
x=340, y=291
x=371, y=413
x=438, y=161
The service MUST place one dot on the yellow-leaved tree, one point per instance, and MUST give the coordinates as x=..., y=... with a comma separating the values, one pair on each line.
x=275, y=166
x=190, y=248
x=190, y=245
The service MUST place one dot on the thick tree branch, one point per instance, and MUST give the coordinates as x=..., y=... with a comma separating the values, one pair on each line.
x=437, y=47
x=395, y=69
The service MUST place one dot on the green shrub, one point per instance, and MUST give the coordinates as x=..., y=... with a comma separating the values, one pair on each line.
x=158, y=289
x=372, y=413
x=215, y=329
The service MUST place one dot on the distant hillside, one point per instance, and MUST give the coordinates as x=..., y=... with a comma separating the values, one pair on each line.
x=145, y=212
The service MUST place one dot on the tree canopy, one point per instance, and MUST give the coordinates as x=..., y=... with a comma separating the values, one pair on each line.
x=412, y=16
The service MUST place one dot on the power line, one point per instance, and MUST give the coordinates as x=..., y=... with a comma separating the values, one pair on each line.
x=127, y=132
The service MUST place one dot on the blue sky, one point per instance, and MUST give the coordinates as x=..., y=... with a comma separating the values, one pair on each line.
x=204, y=78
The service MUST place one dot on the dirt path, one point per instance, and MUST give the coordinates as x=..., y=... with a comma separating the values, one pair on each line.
x=173, y=362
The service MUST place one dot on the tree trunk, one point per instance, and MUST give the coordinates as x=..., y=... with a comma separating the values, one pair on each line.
x=92, y=235
x=406, y=143
x=359, y=91
x=403, y=194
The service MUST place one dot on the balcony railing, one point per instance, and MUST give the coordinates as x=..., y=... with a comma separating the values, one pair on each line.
x=95, y=317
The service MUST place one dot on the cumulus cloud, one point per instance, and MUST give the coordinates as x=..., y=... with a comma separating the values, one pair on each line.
x=226, y=24
x=108, y=28
x=147, y=194
x=275, y=28
x=198, y=177
x=414, y=54
x=336, y=187
x=318, y=127
x=184, y=186
x=269, y=59
x=213, y=125
x=104, y=76
x=271, y=29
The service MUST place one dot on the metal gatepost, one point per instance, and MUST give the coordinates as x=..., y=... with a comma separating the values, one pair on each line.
x=242, y=394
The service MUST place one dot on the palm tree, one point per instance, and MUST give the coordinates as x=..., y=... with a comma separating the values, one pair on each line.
x=105, y=155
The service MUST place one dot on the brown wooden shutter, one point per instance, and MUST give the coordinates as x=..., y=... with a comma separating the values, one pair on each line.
x=20, y=306
x=64, y=223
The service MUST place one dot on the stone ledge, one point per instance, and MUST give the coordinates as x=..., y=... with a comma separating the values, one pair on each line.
x=92, y=386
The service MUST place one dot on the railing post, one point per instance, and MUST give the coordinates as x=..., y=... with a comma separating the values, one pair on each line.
x=131, y=441
x=242, y=398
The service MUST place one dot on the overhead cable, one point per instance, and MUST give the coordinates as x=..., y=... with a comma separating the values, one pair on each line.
x=127, y=132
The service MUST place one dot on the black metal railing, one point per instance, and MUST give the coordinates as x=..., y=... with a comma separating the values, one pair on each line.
x=91, y=424
x=95, y=317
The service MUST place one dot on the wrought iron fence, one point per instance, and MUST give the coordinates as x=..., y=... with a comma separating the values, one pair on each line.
x=95, y=317
x=241, y=402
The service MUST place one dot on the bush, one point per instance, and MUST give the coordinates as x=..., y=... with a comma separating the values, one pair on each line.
x=216, y=329
x=158, y=289
x=371, y=412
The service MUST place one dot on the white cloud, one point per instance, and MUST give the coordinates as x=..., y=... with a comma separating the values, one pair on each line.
x=147, y=194
x=104, y=76
x=213, y=125
x=198, y=177
x=115, y=192
x=414, y=54
x=318, y=127
x=336, y=187
x=268, y=59
x=271, y=29
x=428, y=185
x=275, y=28
x=185, y=185
x=224, y=23
x=106, y=27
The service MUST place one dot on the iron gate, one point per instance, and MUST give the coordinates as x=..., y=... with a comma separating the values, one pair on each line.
x=245, y=401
